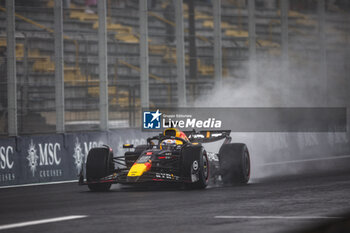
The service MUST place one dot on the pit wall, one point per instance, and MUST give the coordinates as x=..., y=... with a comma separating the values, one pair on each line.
x=55, y=157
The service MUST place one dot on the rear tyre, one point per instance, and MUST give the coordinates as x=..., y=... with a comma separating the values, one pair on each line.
x=234, y=162
x=99, y=164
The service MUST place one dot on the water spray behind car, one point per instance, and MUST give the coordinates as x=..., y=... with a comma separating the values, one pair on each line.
x=300, y=86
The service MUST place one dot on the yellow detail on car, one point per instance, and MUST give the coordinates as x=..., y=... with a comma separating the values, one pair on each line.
x=138, y=169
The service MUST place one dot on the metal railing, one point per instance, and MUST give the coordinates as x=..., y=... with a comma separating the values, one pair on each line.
x=35, y=61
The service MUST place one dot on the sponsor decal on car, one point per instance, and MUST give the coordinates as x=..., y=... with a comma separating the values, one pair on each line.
x=167, y=176
x=144, y=159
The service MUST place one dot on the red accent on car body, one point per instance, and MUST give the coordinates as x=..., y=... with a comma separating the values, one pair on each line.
x=148, y=165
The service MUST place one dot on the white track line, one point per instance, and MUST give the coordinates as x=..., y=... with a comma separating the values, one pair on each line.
x=36, y=184
x=277, y=217
x=306, y=160
x=37, y=222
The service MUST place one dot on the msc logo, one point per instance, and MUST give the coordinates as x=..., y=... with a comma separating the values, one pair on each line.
x=151, y=120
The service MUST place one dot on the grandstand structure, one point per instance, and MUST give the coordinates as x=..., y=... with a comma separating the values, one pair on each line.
x=247, y=33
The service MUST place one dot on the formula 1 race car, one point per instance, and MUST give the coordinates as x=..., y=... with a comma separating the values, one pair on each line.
x=171, y=157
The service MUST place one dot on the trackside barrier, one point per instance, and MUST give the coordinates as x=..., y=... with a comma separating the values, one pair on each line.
x=274, y=154
x=56, y=157
x=59, y=157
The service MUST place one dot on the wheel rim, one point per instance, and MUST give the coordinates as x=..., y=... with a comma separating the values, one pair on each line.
x=247, y=164
x=205, y=167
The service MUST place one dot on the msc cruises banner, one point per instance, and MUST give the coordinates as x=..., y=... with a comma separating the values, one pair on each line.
x=56, y=157
x=59, y=157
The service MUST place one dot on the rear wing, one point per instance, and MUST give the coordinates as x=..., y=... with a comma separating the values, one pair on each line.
x=208, y=136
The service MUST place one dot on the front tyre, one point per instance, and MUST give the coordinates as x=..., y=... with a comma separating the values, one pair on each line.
x=202, y=183
x=99, y=164
x=234, y=162
x=195, y=167
x=100, y=187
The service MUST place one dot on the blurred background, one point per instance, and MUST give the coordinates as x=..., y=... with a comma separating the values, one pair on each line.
x=273, y=53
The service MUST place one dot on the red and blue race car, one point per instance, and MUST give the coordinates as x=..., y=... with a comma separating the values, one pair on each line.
x=173, y=157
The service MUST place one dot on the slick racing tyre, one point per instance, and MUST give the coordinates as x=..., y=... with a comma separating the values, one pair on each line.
x=99, y=164
x=100, y=187
x=195, y=161
x=132, y=156
x=234, y=162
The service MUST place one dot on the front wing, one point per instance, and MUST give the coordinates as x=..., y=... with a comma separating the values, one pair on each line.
x=121, y=176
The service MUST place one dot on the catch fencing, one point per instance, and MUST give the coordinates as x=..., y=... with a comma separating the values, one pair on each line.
x=210, y=55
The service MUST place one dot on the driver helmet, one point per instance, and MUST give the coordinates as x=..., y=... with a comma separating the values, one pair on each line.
x=168, y=144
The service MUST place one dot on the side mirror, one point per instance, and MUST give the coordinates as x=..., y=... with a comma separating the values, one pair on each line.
x=128, y=146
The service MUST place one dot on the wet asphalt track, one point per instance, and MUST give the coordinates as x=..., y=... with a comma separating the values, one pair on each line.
x=163, y=210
